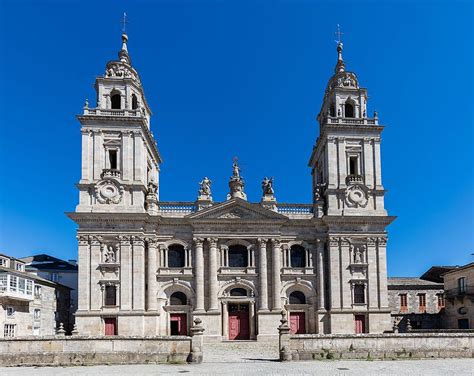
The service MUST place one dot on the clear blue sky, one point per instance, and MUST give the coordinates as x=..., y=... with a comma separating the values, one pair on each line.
x=227, y=78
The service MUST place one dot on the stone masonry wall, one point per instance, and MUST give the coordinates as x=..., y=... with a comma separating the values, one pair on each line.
x=386, y=346
x=84, y=350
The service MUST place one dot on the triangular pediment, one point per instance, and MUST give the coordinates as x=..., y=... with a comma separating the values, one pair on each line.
x=238, y=210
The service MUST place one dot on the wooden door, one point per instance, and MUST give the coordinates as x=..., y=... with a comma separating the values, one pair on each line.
x=359, y=324
x=239, y=322
x=110, y=326
x=178, y=324
x=297, y=323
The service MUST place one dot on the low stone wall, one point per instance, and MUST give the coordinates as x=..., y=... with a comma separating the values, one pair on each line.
x=376, y=346
x=85, y=350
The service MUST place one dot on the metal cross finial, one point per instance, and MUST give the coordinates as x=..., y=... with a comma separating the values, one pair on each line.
x=338, y=34
x=124, y=23
x=235, y=160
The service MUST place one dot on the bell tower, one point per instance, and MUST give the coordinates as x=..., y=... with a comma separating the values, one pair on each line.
x=120, y=158
x=345, y=163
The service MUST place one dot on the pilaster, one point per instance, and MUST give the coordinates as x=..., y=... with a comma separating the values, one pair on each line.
x=138, y=244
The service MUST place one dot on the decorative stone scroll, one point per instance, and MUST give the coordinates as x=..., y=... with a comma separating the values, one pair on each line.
x=109, y=192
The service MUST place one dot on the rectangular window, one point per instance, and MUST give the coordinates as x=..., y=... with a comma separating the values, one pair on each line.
x=37, y=292
x=113, y=159
x=110, y=296
x=359, y=294
x=37, y=314
x=441, y=303
x=4, y=262
x=422, y=302
x=20, y=267
x=3, y=282
x=10, y=311
x=54, y=277
x=403, y=303
x=353, y=166
x=13, y=283
x=22, y=285
x=9, y=330
x=29, y=287
x=462, y=285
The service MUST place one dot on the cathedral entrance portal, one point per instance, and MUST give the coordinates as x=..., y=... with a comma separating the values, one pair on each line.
x=239, y=328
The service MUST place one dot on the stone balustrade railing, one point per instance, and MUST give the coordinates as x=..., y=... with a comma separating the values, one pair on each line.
x=285, y=208
x=110, y=173
x=112, y=112
x=176, y=207
x=352, y=121
x=354, y=179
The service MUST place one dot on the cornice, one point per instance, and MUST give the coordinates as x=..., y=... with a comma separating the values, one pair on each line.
x=358, y=220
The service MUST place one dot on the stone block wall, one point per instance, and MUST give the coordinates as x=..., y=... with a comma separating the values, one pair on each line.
x=85, y=350
x=377, y=346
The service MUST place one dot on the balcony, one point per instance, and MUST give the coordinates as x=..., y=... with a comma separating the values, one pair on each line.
x=14, y=287
x=354, y=179
x=110, y=173
x=459, y=293
x=112, y=112
x=351, y=121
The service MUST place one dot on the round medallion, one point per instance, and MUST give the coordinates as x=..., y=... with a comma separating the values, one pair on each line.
x=108, y=192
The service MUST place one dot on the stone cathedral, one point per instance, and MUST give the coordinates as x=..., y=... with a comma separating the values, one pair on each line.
x=150, y=267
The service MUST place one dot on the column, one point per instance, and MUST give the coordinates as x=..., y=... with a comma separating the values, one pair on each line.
x=320, y=275
x=125, y=273
x=152, y=266
x=382, y=273
x=95, y=294
x=212, y=274
x=341, y=151
x=276, y=256
x=199, y=273
x=332, y=162
x=99, y=156
x=334, y=273
x=377, y=164
x=262, y=274
x=252, y=319
x=138, y=273
x=225, y=320
x=83, y=273
x=86, y=154
x=368, y=163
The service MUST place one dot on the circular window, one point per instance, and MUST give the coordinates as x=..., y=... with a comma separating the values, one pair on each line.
x=462, y=310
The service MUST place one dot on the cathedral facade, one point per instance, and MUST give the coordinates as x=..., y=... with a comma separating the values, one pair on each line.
x=150, y=267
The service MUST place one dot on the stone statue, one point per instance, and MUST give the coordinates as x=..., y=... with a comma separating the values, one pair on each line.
x=319, y=192
x=110, y=254
x=205, y=187
x=152, y=188
x=235, y=170
x=358, y=256
x=267, y=187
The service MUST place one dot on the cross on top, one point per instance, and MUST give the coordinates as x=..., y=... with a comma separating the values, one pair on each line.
x=338, y=34
x=124, y=22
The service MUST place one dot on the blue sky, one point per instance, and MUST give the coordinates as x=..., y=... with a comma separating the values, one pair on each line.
x=227, y=78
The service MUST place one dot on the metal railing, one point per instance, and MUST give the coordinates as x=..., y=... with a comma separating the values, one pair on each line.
x=110, y=173
x=459, y=292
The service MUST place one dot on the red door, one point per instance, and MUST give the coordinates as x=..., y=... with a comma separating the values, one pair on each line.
x=178, y=324
x=239, y=322
x=297, y=323
x=110, y=326
x=359, y=324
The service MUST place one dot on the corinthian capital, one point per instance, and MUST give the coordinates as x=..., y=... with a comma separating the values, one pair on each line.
x=212, y=242
x=198, y=242
x=262, y=242
x=276, y=243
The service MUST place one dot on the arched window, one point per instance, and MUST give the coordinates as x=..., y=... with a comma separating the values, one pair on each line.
x=297, y=297
x=238, y=292
x=359, y=294
x=348, y=110
x=238, y=256
x=176, y=256
x=116, y=100
x=332, y=110
x=134, y=102
x=298, y=256
x=178, y=298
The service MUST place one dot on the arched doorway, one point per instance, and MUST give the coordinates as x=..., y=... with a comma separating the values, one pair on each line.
x=178, y=318
x=238, y=314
